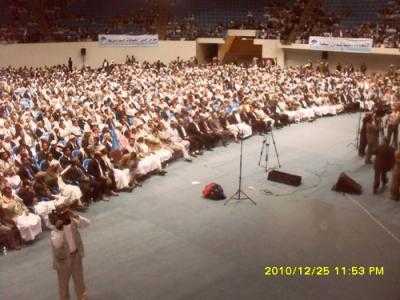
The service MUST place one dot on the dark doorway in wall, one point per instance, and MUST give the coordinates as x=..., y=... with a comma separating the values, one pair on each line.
x=206, y=52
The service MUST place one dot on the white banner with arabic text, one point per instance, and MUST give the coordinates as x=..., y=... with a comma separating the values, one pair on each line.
x=340, y=44
x=124, y=40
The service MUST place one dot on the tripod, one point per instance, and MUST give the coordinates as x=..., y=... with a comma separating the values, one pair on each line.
x=266, y=144
x=240, y=195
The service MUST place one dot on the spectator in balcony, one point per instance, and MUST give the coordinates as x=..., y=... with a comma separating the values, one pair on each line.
x=70, y=64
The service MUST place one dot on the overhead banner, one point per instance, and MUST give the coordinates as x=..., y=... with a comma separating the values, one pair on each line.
x=340, y=44
x=124, y=40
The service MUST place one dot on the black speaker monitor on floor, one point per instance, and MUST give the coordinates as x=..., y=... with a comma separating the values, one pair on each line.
x=285, y=178
x=325, y=55
x=345, y=184
x=83, y=51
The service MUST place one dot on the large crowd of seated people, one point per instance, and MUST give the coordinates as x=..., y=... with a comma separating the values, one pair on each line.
x=77, y=136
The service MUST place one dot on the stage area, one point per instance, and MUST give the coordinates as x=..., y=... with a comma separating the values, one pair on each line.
x=164, y=241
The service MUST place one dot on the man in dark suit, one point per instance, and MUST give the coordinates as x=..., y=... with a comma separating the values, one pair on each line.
x=65, y=158
x=216, y=126
x=180, y=133
x=384, y=162
x=363, y=135
x=70, y=64
x=257, y=124
x=40, y=130
x=196, y=144
x=42, y=149
x=205, y=127
x=27, y=194
x=234, y=118
x=41, y=189
x=9, y=233
x=281, y=119
x=372, y=133
x=100, y=171
x=90, y=187
x=27, y=170
x=193, y=129
x=223, y=120
x=72, y=143
x=244, y=116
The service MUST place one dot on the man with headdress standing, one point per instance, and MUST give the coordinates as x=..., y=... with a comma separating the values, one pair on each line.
x=68, y=251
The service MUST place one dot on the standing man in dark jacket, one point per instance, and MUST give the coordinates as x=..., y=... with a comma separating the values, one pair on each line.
x=363, y=135
x=70, y=64
x=384, y=162
x=372, y=132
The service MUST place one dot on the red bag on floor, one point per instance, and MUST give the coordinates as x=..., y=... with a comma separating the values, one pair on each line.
x=213, y=191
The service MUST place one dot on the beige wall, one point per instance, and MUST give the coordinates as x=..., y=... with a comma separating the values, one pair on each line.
x=378, y=60
x=242, y=32
x=374, y=62
x=57, y=53
x=300, y=57
x=210, y=41
x=272, y=49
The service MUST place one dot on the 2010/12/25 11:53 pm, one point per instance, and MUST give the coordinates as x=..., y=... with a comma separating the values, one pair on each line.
x=324, y=271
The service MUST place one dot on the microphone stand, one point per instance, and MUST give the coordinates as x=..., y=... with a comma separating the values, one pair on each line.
x=356, y=142
x=240, y=194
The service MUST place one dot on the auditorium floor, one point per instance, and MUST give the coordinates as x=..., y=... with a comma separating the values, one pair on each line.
x=165, y=242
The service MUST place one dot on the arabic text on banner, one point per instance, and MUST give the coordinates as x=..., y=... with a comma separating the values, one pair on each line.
x=124, y=40
x=340, y=44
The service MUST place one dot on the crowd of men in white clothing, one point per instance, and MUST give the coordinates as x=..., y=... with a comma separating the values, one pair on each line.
x=71, y=137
